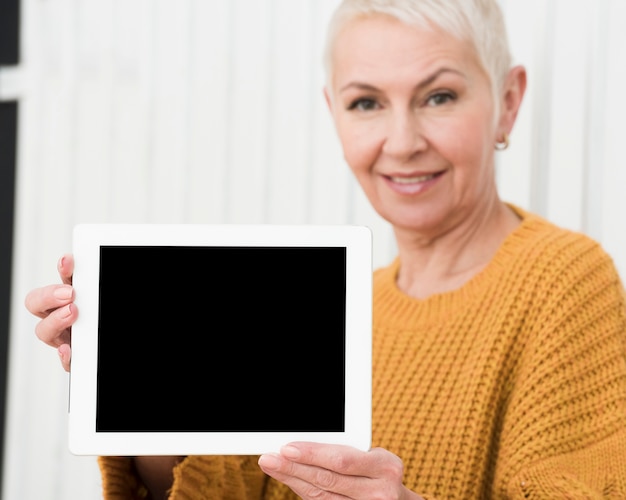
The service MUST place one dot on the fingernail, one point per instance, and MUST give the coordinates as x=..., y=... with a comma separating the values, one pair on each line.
x=63, y=292
x=290, y=452
x=65, y=311
x=269, y=462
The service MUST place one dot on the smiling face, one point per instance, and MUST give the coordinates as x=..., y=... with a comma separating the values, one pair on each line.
x=414, y=112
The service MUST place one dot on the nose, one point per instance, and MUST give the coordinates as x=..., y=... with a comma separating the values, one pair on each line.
x=404, y=135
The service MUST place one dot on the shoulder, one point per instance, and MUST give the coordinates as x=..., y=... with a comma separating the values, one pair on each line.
x=555, y=250
x=568, y=286
x=559, y=275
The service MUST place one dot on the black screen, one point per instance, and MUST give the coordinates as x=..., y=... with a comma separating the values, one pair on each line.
x=221, y=339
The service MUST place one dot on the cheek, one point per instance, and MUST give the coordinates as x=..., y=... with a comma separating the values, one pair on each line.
x=360, y=146
x=464, y=142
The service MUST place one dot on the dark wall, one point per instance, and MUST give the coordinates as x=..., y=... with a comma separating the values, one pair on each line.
x=9, y=56
x=9, y=32
x=8, y=127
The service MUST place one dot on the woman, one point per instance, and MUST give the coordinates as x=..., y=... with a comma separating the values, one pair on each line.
x=499, y=339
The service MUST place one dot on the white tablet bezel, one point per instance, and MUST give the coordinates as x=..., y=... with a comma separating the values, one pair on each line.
x=87, y=240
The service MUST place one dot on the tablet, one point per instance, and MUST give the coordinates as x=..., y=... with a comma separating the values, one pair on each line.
x=219, y=339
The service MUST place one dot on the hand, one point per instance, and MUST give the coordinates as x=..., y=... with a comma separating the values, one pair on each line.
x=323, y=471
x=54, y=304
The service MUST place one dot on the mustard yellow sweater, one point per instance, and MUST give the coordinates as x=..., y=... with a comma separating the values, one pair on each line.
x=513, y=386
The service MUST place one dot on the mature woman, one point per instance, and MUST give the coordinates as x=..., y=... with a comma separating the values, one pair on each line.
x=499, y=338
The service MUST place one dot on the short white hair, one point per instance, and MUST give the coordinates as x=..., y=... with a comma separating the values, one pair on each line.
x=479, y=22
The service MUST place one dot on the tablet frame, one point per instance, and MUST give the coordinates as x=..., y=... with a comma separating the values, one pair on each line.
x=87, y=240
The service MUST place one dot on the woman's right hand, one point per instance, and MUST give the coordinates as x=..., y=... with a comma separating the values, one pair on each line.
x=54, y=304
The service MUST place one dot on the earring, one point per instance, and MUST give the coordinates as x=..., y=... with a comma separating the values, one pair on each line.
x=504, y=143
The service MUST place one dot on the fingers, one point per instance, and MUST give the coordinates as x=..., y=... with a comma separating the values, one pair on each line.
x=65, y=266
x=328, y=471
x=310, y=482
x=65, y=355
x=283, y=470
x=53, y=304
x=340, y=458
x=44, y=300
x=55, y=328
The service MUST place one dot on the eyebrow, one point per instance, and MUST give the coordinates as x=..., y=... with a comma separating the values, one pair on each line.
x=424, y=83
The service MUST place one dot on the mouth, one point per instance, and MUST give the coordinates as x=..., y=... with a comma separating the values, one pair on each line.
x=412, y=185
x=414, y=179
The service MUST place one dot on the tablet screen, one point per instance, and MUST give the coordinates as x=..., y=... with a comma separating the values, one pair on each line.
x=205, y=337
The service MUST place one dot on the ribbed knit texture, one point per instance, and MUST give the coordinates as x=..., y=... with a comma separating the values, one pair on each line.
x=513, y=386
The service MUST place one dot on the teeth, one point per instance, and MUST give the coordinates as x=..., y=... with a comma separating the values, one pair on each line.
x=412, y=180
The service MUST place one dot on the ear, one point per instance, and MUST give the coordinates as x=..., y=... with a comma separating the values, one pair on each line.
x=512, y=96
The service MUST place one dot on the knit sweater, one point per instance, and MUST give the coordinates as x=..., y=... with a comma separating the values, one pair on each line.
x=513, y=386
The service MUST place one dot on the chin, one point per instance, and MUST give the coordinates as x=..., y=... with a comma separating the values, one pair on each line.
x=412, y=217
x=417, y=225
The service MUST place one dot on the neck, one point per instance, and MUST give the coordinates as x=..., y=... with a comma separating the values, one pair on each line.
x=431, y=264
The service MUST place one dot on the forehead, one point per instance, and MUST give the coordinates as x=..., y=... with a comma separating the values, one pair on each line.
x=382, y=46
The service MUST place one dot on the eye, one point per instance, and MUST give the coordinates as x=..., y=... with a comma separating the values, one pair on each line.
x=440, y=98
x=363, y=104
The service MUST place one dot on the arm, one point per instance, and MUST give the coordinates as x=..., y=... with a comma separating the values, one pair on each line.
x=565, y=428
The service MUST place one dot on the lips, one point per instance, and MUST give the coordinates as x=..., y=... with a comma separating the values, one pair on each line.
x=412, y=184
x=412, y=180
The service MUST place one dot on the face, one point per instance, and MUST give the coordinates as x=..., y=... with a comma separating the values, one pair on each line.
x=414, y=112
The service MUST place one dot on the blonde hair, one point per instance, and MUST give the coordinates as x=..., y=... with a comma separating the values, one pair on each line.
x=479, y=22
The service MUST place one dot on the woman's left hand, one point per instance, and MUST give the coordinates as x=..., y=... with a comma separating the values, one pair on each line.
x=323, y=472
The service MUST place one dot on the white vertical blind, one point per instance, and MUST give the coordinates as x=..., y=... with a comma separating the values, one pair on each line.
x=196, y=111
x=609, y=145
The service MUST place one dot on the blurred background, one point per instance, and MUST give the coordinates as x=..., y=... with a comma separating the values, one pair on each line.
x=211, y=111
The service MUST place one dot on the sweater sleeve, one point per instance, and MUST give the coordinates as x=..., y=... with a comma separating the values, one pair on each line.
x=196, y=477
x=218, y=477
x=118, y=480
x=564, y=434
